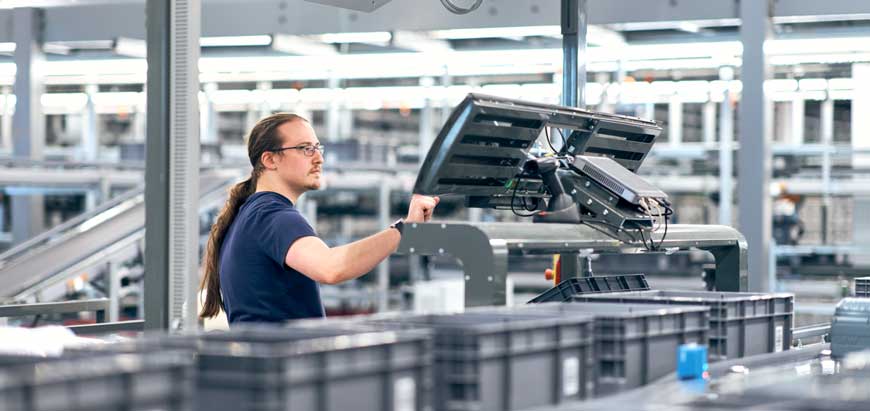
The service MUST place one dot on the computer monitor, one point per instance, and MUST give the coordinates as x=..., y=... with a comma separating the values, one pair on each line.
x=486, y=141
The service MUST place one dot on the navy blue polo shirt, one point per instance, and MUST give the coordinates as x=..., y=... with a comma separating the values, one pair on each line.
x=256, y=284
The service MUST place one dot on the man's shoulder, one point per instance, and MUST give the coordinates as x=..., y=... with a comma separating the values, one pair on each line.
x=269, y=201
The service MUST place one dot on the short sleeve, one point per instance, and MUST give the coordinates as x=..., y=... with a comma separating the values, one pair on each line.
x=279, y=229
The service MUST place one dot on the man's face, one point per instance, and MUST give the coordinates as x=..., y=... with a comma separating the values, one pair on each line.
x=298, y=170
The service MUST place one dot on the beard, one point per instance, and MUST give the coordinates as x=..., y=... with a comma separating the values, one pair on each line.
x=313, y=185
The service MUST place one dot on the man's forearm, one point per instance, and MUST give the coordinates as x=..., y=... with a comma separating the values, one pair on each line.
x=359, y=257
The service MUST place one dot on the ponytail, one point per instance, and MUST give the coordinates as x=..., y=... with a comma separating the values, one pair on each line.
x=211, y=280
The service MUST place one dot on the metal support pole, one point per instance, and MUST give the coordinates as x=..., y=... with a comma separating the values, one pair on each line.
x=726, y=151
x=28, y=121
x=427, y=132
x=384, y=266
x=172, y=164
x=209, y=115
x=797, y=121
x=754, y=160
x=574, y=22
x=675, y=120
x=709, y=123
x=860, y=119
x=140, y=123
x=827, y=137
x=309, y=210
x=263, y=109
x=332, y=110
x=90, y=141
x=114, y=287
x=6, y=117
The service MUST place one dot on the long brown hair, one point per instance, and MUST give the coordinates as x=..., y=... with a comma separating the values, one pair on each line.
x=263, y=138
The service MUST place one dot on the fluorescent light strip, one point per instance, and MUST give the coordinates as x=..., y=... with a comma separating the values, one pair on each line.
x=364, y=37
x=8, y=47
x=236, y=41
x=496, y=32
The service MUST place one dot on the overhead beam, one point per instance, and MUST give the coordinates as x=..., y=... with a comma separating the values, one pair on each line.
x=108, y=21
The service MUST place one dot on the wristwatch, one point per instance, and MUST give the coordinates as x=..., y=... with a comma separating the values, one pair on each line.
x=398, y=225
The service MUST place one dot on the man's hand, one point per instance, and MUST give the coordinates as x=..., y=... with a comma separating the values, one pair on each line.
x=421, y=208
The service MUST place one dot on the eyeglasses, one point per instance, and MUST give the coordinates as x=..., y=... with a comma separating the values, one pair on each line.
x=307, y=149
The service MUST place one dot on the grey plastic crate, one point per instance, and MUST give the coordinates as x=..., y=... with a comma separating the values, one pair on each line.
x=315, y=369
x=636, y=344
x=97, y=382
x=741, y=324
x=490, y=361
x=862, y=287
x=571, y=287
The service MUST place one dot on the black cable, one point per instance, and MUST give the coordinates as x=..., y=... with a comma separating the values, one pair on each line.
x=670, y=212
x=549, y=143
x=514, y=196
x=643, y=240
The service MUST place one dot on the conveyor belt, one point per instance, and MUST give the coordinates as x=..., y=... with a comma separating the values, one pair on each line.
x=52, y=256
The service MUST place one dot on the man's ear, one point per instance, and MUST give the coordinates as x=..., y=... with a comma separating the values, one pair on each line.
x=268, y=160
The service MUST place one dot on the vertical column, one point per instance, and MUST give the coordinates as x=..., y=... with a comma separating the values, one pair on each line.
x=90, y=141
x=208, y=116
x=427, y=132
x=209, y=124
x=709, y=123
x=384, y=266
x=861, y=142
x=860, y=119
x=675, y=120
x=827, y=137
x=574, y=22
x=6, y=117
x=263, y=109
x=797, y=121
x=332, y=111
x=172, y=164
x=753, y=158
x=28, y=121
x=140, y=121
x=726, y=150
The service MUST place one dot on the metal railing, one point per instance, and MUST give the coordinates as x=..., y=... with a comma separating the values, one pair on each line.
x=99, y=305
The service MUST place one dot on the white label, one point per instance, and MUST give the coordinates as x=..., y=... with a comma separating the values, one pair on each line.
x=404, y=391
x=777, y=339
x=570, y=376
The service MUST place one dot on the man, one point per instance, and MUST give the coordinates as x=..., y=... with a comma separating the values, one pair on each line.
x=263, y=262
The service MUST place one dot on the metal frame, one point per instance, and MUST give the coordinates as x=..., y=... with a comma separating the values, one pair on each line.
x=99, y=305
x=483, y=248
x=172, y=147
x=754, y=157
x=106, y=19
x=574, y=24
x=28, y=121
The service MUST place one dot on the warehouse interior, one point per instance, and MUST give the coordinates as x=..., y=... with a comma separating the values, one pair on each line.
x=672, y=189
